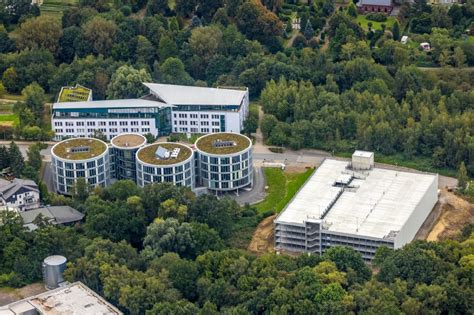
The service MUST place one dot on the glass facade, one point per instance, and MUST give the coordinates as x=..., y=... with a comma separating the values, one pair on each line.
x=226, y=173
x=179, y=175
x=95, y=171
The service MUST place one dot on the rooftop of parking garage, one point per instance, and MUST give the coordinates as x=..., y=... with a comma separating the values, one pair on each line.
x=89, y=148
x=128, y=141
x=207, y=143
x=374, y=203
x=148, y=154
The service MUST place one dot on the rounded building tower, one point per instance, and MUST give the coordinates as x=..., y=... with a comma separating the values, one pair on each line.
x=80, y=158
x=225, y=161
x=123, y=152
x=165, y=162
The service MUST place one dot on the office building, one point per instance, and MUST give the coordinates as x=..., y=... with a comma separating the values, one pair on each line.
x=123, y=155
x=362, y=207
x=167, y=108
x=86, y=158
x=201, y=109
x=165, y=163
x=224, y=161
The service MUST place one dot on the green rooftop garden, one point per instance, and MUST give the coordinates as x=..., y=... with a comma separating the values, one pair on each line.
x=66, y=148
x=207, y=143
x=147, y=154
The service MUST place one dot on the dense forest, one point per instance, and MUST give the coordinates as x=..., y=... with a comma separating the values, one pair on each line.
x=362, y=88
x=162, y=250
x=339, y=83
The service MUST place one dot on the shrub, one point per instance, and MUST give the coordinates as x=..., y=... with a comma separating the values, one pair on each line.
x=377, y=17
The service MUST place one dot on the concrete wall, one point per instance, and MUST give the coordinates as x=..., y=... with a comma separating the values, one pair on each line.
x=417, y=218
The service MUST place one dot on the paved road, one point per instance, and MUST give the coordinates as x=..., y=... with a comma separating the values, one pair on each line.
x=257, y=193
x=301, y=158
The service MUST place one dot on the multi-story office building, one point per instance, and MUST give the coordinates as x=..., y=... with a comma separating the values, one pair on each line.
x=203, y=110
x=86, y=158
x=110, y=118
x=165, y=162
x=224, y=161
x=167, y=108
x=363, y=208
x=123, y=155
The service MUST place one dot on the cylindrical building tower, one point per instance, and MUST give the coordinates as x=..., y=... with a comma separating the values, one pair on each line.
x=225, y=161
x=123, y=152
x=80, y=158
x=165, y=162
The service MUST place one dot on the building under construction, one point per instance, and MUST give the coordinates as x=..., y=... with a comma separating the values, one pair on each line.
x=357, y=205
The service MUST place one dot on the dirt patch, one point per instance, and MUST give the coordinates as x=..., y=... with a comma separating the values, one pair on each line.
x=295, y=169
x=10, y=295
x=455, y=213
x=263, y=239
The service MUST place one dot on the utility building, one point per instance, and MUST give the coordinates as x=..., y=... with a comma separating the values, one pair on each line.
x=362, y=208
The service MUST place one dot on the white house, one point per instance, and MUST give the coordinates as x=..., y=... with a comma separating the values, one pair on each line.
x=19, y=193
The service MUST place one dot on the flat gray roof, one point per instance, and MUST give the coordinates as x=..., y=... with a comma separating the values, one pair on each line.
x=127, y=103
x=193, y=95
x=380, y=202
x=72, y=299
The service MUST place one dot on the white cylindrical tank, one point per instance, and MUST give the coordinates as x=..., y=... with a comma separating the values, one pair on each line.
x=53, y=268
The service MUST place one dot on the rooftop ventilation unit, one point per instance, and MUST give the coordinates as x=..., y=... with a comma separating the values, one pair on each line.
x=78, y=149
x=223, y=143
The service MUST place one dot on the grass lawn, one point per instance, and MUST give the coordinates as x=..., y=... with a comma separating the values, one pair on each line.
x=8, y=117
x=282, y=186
x=418, y=163
x=13, y=97
x=56, y=7
x=375, y=25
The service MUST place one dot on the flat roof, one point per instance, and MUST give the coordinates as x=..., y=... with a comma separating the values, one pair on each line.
x=147, y=154
x=128, y=141
x=63, y=148
x=380, y=201
x=126, y=103
x=206, y=143
x=366, y=154
x=193, y=95
x=72, y=299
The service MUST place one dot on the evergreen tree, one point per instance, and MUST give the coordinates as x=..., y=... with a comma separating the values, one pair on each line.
x=308, y=31
x=396, y=31
x=289, y=27
x=462, y=177
x=16, y=159
x=351, y=10
x=4, y=157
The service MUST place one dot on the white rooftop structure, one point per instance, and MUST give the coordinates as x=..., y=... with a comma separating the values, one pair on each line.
x=126, y=103
x=193, y=95
x=72, y=299
x=375, y=203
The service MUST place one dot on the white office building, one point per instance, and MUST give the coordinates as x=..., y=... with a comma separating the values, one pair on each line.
x=224, y=161
x=110, y=118
x=165, y=162
x=203, y=110
x=167, y=108
x=363, y=208
x=80, y=158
